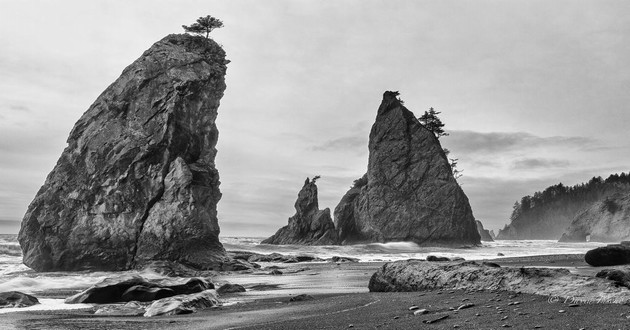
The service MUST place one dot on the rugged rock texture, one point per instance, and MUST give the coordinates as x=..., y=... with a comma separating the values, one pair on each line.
x=605, y=221
x=469, y=275
x=409, y=193
x=610, y=255
x=16, y=299
x=136, y=288
x=483, y=233
x=309, y=225
x=183, y=304
x=137, y=181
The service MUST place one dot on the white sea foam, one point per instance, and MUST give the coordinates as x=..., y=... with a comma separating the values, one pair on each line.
x=46, y=305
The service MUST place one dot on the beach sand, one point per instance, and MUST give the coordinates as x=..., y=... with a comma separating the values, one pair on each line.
x=342, y=301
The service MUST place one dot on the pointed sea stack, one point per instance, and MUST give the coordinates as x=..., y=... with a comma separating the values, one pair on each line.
x=137, y=181
x=409, y=192
x=309, y=225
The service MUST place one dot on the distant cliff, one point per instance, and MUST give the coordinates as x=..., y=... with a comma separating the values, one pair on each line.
x=309, y=225
x=547, y=214
x=409, y=192
x=485, y=234
x=137, y=181
x=607, y=220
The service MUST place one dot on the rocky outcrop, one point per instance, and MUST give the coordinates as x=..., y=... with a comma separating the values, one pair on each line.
x=605, y=221
x=610, y=255
x=309, y=225
x=15, y=299
x=409, y=192
x=483, y=233
x=136, y=288
x=137, y=181
x=183, y=304
x=469, y=275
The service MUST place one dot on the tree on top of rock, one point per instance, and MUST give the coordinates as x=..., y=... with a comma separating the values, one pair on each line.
x=433, y=123
x=204, y=25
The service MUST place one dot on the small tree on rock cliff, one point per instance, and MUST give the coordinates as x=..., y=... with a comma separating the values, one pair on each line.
x=204, y=25
x=433, y=123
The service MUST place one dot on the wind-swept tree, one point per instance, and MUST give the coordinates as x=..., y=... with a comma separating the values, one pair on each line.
x=433, y=123
x=204, y=25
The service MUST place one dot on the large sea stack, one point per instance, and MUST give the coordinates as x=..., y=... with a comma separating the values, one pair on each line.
x=409, y=192
x=309, y=225
x=137, y=181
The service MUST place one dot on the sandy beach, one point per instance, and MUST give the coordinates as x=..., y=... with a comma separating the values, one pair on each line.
x=341, y=301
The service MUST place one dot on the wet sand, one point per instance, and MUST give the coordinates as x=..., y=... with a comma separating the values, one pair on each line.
x=342, y=301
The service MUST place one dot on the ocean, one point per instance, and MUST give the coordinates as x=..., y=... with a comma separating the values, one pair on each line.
x=14, y=276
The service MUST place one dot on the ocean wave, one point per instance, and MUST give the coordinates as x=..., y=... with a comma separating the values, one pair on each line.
x=12, y=250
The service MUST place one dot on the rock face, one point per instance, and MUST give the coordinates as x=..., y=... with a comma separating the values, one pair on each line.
x=605, y=221
x=136, y=288
x=409, y=192
x=469, y=275
x=483, y=233
x=309, y=225
x=137, y=181
x=183, y=304
x=16, y=299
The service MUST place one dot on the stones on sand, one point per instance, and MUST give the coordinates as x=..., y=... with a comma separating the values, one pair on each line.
x=309, y=225
x=610, y=255
x=183, y=304
x=421, y=312
x=16, y=299
x=301, y=297
x=137, y=181
x=409, y=192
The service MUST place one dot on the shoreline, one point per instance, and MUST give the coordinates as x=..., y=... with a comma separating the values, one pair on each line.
x=341, y=299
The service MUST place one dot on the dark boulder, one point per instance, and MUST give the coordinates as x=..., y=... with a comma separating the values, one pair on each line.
x=618, y=276
x=434, y=258
x=16, y=299
x=309, y=225
x=133, y=287
x=137, y=181
x=409, y=192
x=230, y=288
x=610, y=255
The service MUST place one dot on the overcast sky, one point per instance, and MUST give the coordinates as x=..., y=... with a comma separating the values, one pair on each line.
x=532, y=92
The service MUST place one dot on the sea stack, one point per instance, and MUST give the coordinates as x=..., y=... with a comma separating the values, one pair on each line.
x=309, y=225
x=409, y=192
x=137, y=181
x=483, y=233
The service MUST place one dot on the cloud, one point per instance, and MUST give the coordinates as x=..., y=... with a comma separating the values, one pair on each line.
x=348, y=143
x=535, y=163
x=471, y=142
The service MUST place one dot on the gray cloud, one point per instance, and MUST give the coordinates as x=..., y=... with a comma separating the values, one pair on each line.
x=470, y=141
x=19, y=108
x=535, y=163
x=349, y=143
